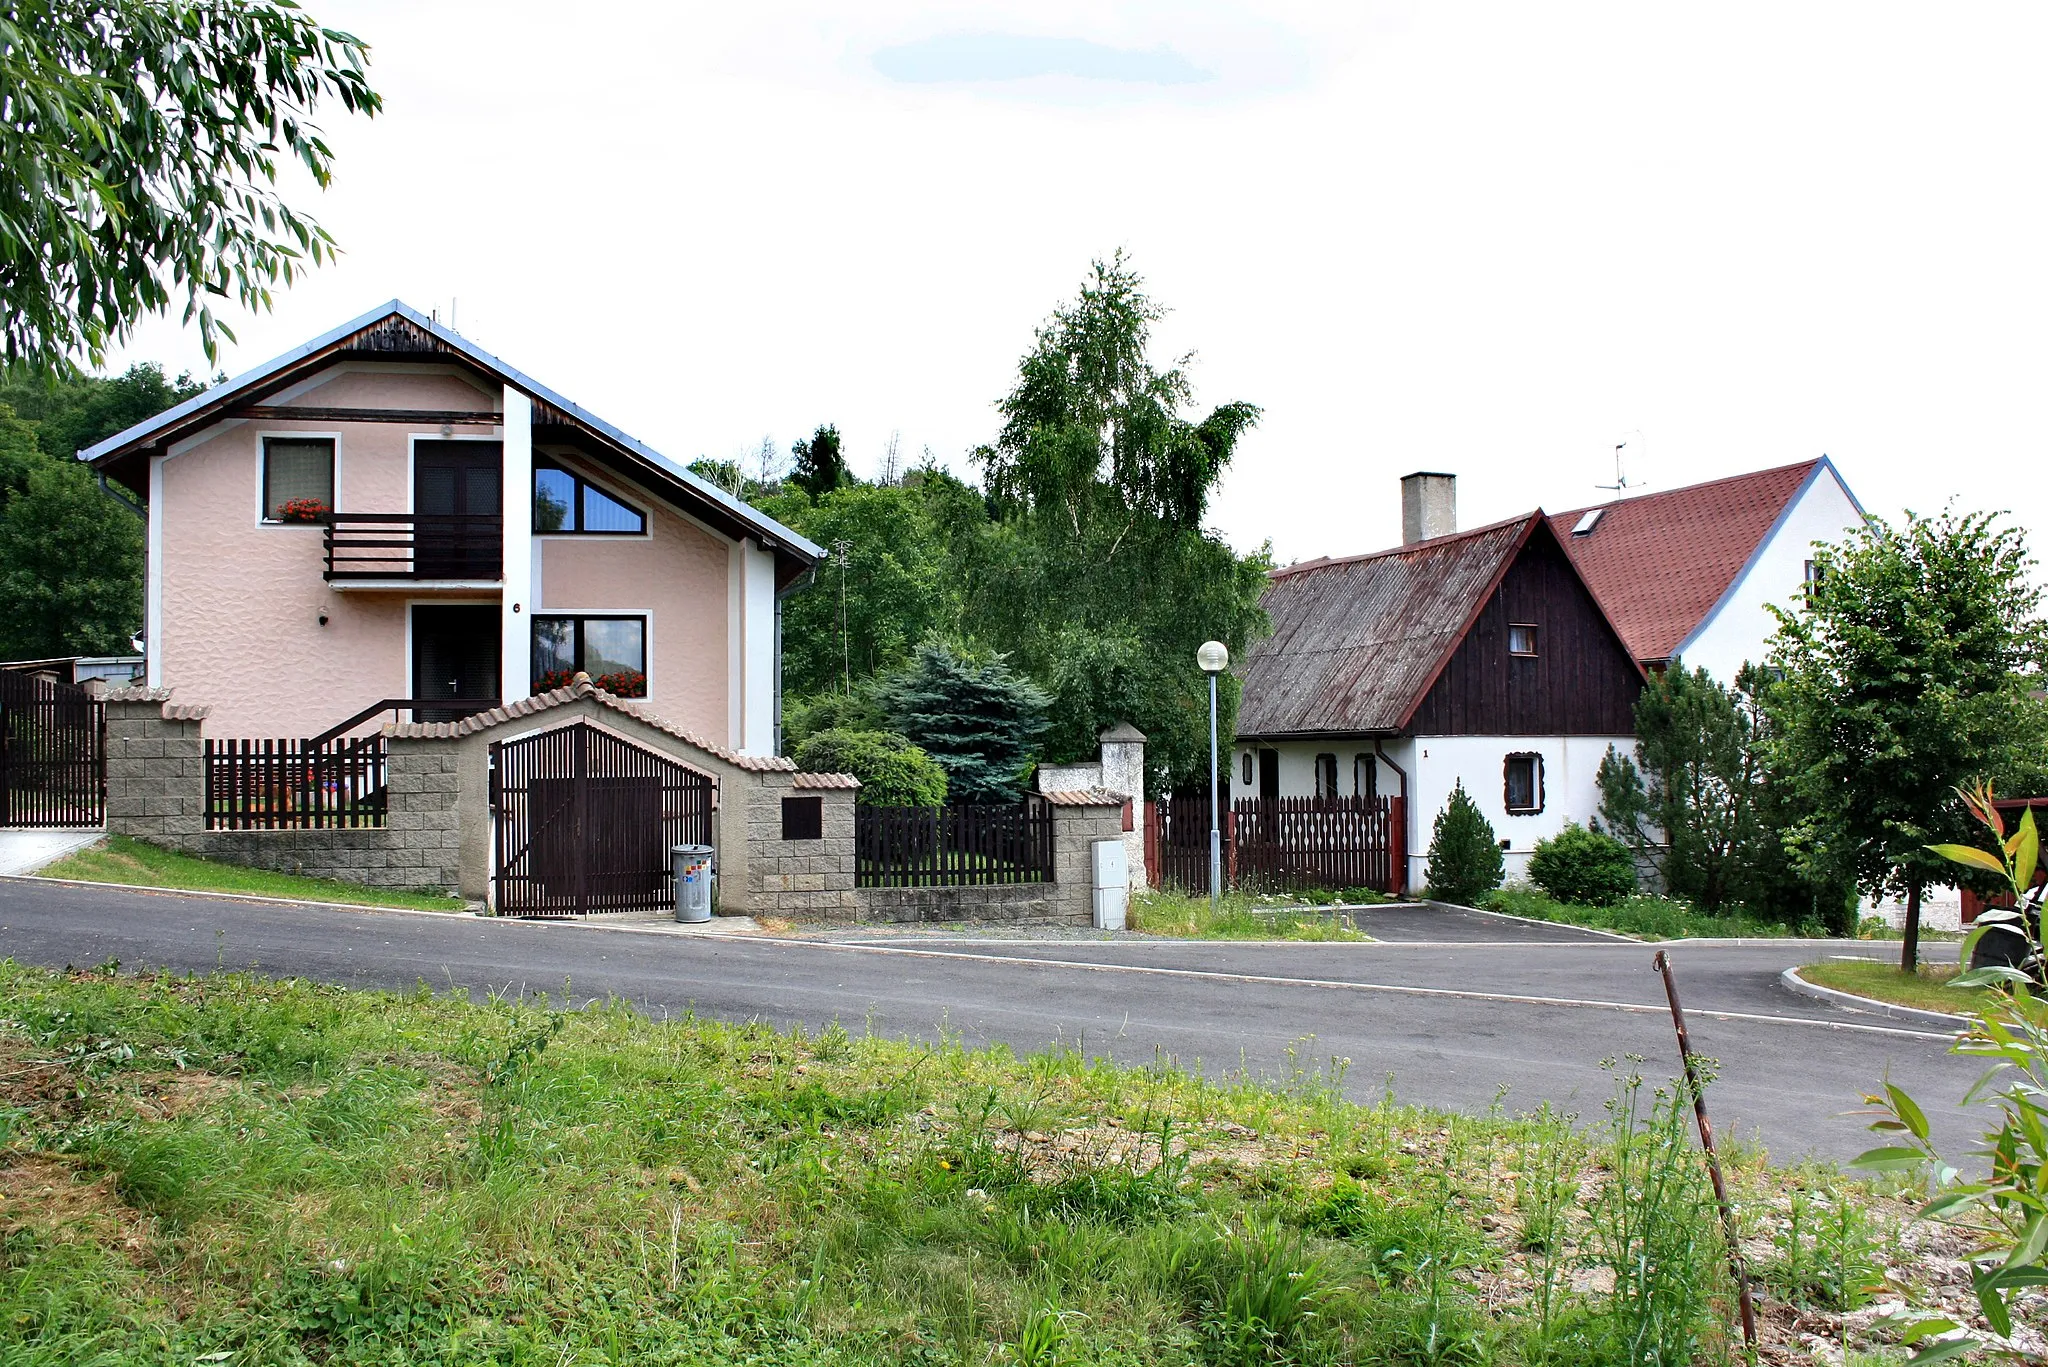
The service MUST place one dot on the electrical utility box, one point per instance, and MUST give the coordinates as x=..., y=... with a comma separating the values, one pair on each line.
x=1112, y=883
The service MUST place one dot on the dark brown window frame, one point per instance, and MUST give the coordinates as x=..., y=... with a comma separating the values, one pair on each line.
x=1535, y=759
x=1369, y=765
x=309, y=439
x=1329, y=790
x=579, y=618
x=803, y=818
x=1533, y=649
x=576, y=503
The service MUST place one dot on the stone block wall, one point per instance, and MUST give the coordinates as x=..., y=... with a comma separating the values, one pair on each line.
x=156, y=791
x=810, y=880
x=1075, y=828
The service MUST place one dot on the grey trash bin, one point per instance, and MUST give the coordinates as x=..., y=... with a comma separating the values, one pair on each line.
x=693, y=882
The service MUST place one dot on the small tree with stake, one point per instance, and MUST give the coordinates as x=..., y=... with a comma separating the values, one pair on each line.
x=1907, y=671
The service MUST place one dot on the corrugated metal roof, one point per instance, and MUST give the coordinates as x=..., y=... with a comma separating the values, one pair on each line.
x=1357, y=642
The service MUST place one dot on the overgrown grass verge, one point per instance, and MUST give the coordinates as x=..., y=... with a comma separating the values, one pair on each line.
x=233, y=1170
x=136, y=863
x=1240, y=916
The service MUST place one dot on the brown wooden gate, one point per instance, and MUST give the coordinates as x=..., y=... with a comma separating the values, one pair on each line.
x=53, y=753
x=1278, y=844
x=584, y=822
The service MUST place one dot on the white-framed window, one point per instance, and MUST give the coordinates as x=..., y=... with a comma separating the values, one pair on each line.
x=1522, y=639
x=298, y=478
x=566, y=503
x=1522, y=784
x=610, y=647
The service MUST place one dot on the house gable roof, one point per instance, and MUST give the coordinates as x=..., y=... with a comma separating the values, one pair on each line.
x=1662, y=563
x=1357, y=642
x=395, y=331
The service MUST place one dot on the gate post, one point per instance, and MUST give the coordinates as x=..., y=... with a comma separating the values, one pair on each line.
x=1397, y=846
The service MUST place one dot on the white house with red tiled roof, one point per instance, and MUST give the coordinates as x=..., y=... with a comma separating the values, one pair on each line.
x=1694, y=572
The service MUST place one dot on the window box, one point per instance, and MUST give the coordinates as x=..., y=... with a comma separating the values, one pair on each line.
x=611, y=649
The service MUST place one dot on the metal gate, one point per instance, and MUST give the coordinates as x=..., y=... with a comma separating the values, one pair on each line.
x=53, y=753
x=584, y=822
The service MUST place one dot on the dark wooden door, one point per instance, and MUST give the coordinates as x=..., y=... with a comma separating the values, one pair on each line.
x=458, y=502
x=454, y=655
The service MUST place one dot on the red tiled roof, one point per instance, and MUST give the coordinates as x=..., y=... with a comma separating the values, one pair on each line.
x=1660, y=562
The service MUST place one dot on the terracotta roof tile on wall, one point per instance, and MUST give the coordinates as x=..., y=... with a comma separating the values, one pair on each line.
x=1357, y=641
x=1659, y=563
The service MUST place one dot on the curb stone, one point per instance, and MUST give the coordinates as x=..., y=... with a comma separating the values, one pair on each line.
x=1794, y=983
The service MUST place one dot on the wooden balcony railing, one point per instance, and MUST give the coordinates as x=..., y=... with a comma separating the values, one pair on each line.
x=414, y=546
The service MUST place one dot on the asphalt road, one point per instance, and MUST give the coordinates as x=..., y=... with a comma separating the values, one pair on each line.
x=1525, y=1017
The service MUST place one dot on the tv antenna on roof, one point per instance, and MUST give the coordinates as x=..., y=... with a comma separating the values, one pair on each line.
x=1621, y=480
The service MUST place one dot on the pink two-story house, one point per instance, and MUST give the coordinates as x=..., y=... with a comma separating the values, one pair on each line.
x=391, y=514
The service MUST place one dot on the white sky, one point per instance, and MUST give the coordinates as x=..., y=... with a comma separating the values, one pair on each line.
x=1489, y=239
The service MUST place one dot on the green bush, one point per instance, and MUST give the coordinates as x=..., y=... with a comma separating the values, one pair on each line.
x=892, y=771
x=1588, y=867
x=1464, y=853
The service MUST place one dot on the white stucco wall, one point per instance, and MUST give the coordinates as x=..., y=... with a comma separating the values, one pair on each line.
x=1571, y=765
x=1737, y=630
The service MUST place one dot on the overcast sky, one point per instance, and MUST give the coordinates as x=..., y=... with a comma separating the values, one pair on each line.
x=1489, y=239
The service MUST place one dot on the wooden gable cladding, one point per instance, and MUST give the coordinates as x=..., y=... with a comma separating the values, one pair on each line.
x=395, y=335
x=1581, y=680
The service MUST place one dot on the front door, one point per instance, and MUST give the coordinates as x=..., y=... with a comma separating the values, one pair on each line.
x=458, y=508
x=454, y=655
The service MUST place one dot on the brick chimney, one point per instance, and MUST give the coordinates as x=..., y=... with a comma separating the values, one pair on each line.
x=1429, y=506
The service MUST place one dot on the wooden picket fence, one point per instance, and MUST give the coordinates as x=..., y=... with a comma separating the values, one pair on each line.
x=292, y=784
x=1279, y=844
x=960, y=846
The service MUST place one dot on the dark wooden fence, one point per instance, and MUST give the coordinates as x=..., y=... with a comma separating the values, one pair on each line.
x=295, y=785
x=965, y=846
x=53, y=753
x=1278, y=844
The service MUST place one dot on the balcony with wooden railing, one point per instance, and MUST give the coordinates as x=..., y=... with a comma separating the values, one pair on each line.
x=403, y=549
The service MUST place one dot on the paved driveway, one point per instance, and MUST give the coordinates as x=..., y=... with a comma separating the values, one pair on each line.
x=1454, y=1024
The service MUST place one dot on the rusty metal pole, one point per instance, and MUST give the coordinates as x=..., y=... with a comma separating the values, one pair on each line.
x=1662, y=963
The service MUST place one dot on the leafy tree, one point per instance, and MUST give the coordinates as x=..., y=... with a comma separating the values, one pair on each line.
x=1464, y=853
x=819, y=466
x=1094, y=575
x=140, y=143
x=1907, y=673
x=979, y=719
x=888, y=585
x=892, y=771
x=73, y=412
x=1591, y=868
x=70, y=568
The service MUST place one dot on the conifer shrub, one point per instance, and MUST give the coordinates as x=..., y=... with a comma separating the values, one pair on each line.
x=1591, y=868
x=1464, y=853
x=980, y=719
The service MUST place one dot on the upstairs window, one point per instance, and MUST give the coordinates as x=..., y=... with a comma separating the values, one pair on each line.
x=1522, y=784
x=1813, y=573
x=298, y=478
x=1326, y=776
x=1521, y=639
x=566, y=502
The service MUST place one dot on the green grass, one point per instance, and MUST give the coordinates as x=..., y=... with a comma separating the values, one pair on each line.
x=1926, y=990
x=229, y=1169
x=136, y=863
x=1241, y=916
x=1648, y=918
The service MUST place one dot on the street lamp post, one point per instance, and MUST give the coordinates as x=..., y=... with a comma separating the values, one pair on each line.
x=1214, y=658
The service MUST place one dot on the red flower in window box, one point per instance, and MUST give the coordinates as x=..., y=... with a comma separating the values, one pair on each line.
x=552, y=679
x=303, y=510
x=627, y=683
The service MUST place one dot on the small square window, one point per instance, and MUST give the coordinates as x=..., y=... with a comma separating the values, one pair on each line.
x=803, y=818
x=1522, y=784
x=1813, y=573
x=298, y=478
x=1521, y=640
